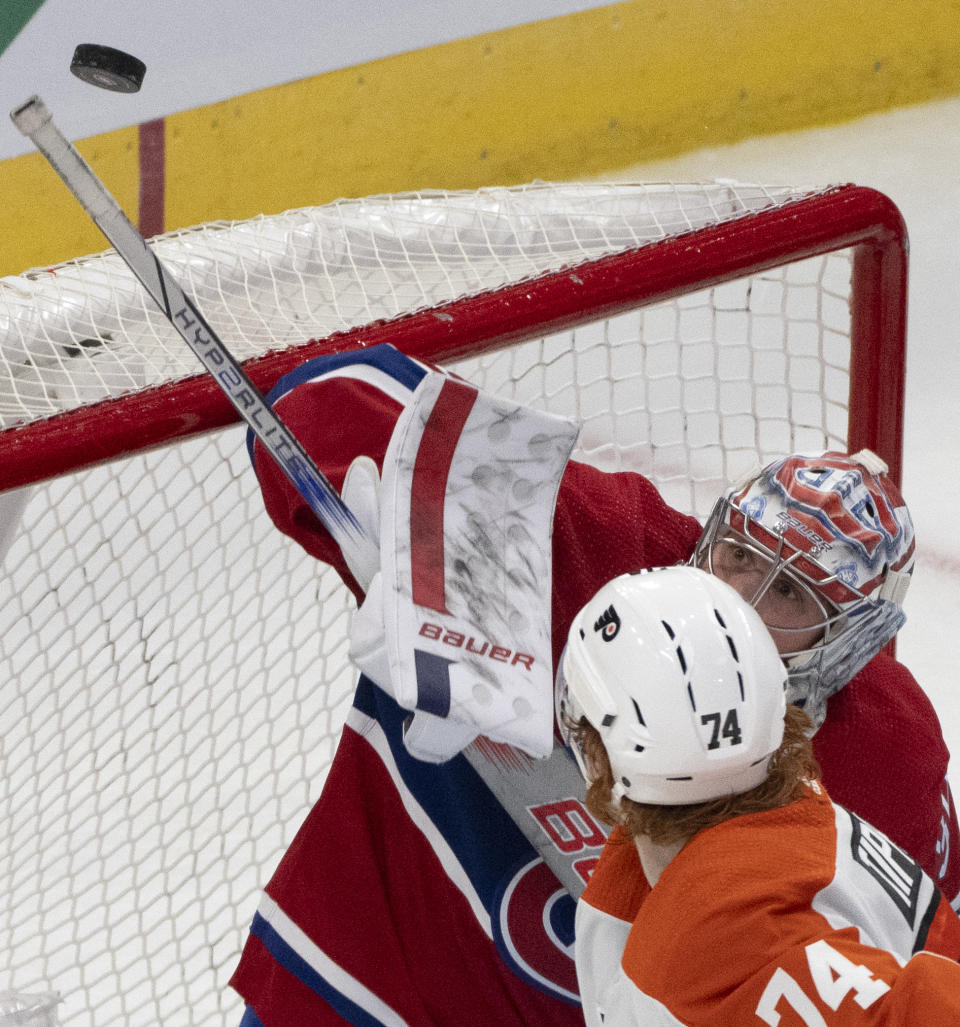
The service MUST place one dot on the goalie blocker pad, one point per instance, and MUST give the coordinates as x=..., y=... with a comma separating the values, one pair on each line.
x=467, y=498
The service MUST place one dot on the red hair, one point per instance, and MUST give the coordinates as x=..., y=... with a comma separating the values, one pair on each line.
x=790, y=766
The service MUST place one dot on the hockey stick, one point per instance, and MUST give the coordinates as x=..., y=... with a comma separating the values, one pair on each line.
x=34, y=120
x=538, y=799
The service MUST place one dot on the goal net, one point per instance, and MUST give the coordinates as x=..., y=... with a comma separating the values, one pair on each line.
x=173, y=671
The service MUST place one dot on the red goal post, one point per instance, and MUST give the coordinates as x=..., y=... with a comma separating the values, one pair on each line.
x=174, y=671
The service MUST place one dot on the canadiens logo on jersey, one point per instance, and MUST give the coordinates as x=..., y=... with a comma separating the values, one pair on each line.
x=533, y=916
x=533, y=929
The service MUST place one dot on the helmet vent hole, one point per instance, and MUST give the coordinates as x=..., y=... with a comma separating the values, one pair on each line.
x=638, y=748
x=668, y=629
x=636, y=709
x=740, y=682
x=733, y=649
x=720, y=619
x=682, y=659
x=608, y=719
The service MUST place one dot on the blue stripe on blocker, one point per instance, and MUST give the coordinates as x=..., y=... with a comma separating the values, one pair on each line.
x=433, y=682
x=295, y=964
x=385, y=358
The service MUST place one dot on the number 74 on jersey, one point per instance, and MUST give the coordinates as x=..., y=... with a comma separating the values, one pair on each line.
x=834, y=977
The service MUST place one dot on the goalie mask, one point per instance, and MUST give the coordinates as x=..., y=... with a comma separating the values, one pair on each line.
x=823, y=547
x=682, y=680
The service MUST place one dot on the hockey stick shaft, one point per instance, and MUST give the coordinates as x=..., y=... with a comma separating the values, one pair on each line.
x=34, y=120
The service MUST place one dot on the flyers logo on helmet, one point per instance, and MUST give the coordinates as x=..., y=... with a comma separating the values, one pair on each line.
x=608, y=624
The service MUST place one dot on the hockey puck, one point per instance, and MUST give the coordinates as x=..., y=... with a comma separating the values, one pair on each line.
x=108, y=68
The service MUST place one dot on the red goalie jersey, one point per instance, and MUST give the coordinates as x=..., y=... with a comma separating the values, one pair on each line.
x=409, y=895
x=819, y=919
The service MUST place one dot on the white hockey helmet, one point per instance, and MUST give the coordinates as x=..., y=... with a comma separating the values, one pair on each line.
x=683, y=682
x=837, y=527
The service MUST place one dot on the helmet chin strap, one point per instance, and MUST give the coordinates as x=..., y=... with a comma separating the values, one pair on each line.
x=895, y=586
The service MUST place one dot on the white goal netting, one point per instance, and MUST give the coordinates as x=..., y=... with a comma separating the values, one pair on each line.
x=173, y=671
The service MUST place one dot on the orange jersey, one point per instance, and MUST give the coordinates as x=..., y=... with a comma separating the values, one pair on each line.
x=804, y=915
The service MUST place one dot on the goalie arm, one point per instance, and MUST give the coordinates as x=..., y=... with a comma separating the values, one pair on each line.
x=338, y=418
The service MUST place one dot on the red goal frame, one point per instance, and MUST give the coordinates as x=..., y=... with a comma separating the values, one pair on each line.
x=847, y=216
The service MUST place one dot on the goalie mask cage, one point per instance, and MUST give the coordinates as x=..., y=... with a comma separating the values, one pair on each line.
x=174, y=670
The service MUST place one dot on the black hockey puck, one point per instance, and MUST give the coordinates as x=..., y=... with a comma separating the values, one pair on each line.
x=108, y=68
